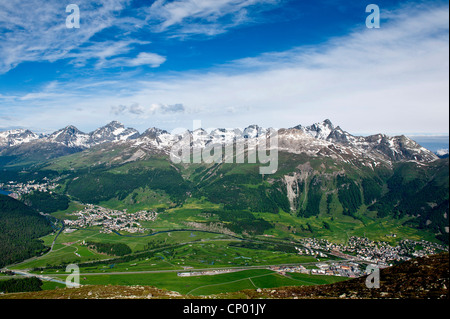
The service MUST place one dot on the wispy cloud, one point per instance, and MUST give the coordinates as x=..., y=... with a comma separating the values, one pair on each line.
x=207, y=17
x=102, y=52
x=392, y=79
x=152, y=60
x=35, y=31
x=139, y=109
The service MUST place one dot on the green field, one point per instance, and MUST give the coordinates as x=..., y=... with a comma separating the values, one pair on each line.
x=155, y=260
x=174, y=252
x=206, y=285
x=342, y=227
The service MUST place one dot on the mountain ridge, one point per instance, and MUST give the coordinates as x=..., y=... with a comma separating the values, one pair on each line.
x=320, y=139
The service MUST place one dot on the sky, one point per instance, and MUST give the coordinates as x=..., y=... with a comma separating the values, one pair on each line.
x=226, y=63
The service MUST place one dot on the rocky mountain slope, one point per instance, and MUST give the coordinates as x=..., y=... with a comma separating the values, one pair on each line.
x=16, y=137
x=70, y=136
x=322, y=172
x=320, y=139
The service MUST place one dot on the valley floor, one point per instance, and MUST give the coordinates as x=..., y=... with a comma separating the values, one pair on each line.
x=422, y=278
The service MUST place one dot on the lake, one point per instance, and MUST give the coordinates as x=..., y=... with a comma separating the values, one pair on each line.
x=2, y=192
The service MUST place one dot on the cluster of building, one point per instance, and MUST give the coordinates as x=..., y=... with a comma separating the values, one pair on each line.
x=379, y=252
x=310, y=251
x=205, y=273
x=111, y=220
x=347, y=269
x=282, y=270
x=18, y=189
x=427, y=248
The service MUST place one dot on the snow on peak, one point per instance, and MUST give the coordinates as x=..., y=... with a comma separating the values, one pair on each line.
x=318, y=130
x=16, y=137
x=319, y=139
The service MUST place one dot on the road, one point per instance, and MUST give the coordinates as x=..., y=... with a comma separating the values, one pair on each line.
x=236, y=268
x=56, y=237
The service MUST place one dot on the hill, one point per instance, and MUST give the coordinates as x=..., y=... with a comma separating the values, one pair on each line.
x=310, y=189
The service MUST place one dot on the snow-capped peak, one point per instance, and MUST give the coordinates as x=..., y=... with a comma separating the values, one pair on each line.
x=319, y=139
x=318, y=130
x=114, y=131
x=69, y=136
x=16, y=137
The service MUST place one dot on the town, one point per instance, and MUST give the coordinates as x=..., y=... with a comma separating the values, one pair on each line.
x=110, y=220
x=17, y=189
x=364, y=249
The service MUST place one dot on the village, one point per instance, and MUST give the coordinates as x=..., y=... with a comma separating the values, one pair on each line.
x=17, y=189
x=364, y=249
x=110, y=220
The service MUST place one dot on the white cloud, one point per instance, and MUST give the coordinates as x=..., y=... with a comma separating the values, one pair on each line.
x=208, y=17
x=152, y=60
x=145, y=111
x=35, y=30
x=103, y=52
x=145, y=58
x=390, y=80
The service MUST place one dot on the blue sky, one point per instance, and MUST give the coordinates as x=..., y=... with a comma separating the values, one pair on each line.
x=228, y=63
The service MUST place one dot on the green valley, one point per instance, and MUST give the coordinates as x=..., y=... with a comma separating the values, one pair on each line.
x=229, y=226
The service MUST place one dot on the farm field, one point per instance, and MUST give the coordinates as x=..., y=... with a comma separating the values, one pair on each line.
x=156, y=260
x=206, y=285
x=156, y=256
x=173, y=250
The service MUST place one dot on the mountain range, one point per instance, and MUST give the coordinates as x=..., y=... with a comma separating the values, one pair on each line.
x=329, y=181
x=319, y=139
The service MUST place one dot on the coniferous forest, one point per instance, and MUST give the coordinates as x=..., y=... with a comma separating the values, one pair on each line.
x=21, y=285
x=20, y=228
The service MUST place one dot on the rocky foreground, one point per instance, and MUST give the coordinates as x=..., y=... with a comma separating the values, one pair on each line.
x=422, y=278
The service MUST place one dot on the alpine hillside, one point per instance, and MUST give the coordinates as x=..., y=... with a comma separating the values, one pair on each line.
x=328, y=183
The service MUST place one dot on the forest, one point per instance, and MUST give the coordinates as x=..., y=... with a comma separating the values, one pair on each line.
x=20, y=285
x=113, y=249
x=46, y=202
x=239, y=221
x=101, y=186
x=20, y=228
